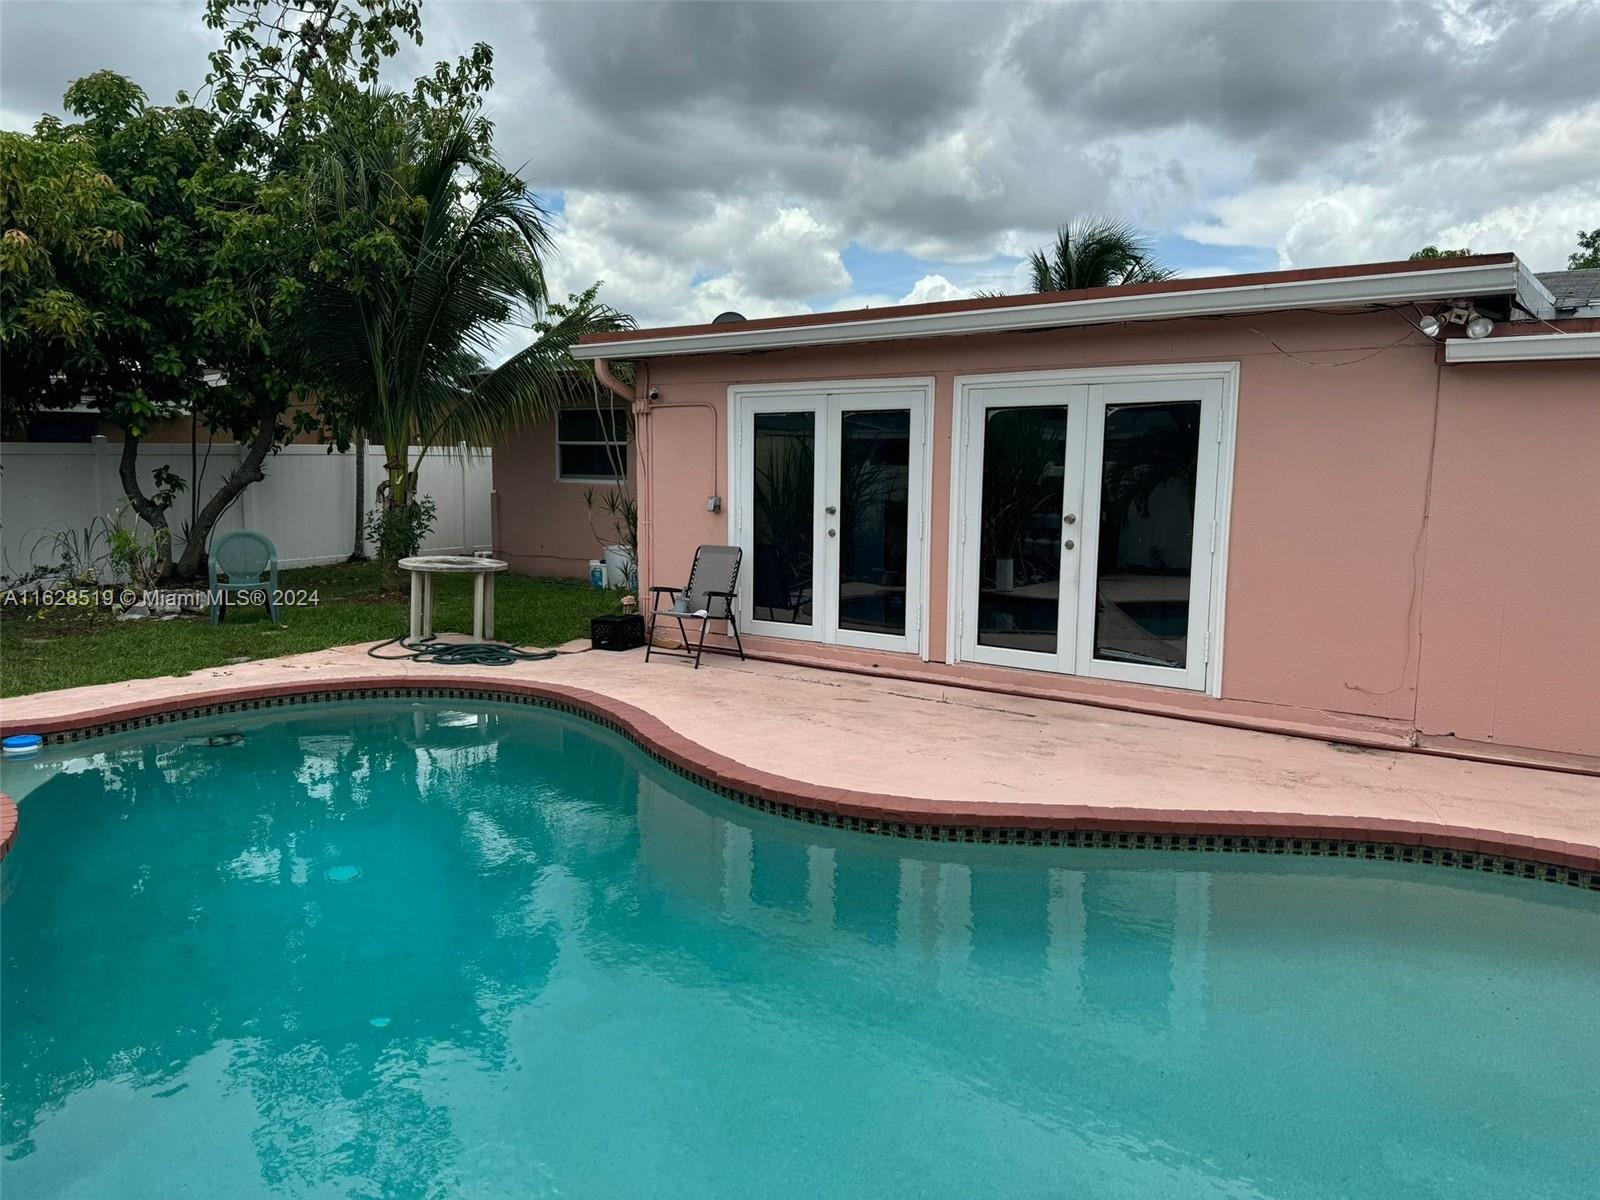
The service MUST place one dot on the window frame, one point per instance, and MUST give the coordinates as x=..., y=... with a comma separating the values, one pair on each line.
x=620, y=424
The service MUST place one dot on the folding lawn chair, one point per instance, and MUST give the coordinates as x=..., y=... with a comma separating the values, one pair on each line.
x=708, y=596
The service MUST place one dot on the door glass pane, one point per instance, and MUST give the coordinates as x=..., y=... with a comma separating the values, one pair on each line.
x=874, y=498
x=1019, y=557
x=1146, y=533
x=783, y=508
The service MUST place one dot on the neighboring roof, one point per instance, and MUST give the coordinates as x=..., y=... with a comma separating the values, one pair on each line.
x=1564, y=343
x=1576, y=292
x=1482, y=275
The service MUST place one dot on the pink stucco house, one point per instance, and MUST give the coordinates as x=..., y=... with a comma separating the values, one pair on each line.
x=1286, y=500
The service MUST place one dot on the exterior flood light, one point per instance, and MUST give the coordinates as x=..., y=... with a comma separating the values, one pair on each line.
x=1458, y=312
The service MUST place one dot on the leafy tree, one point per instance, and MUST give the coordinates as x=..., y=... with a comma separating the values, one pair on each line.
x=429, y=252
x=275, y=53
x=155, y=256
x=1432, y=252
x=122, y=305
x=169, y=300
x=62, y=217
x=1587, y=256
x=1095, y=252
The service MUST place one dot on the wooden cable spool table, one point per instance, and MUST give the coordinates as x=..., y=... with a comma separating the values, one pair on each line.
x=424, y=567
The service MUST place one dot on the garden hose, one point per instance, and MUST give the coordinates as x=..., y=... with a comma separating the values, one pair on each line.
x=458, y=654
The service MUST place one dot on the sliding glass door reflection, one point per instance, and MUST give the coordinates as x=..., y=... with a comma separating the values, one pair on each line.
x=874, y=496
x=783, y=508
x=1024, y=469
x=1147, y=523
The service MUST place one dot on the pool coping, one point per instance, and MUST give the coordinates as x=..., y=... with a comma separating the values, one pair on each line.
x=9, y=821
x=1078, y=825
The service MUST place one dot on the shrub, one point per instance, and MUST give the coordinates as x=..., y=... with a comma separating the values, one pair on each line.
x=398, y=531
x=135, y=560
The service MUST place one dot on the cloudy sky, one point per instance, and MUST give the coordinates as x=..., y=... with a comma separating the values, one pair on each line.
x=780, y=157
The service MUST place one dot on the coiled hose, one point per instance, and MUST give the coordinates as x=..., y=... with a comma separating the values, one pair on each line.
x=458, y=654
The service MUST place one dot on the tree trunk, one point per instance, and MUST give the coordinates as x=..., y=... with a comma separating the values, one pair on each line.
x=247, y=472
x=359, y=553
x=151, y=513
x=396, y=468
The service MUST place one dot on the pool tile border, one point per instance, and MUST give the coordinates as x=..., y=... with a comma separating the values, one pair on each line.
x=1049, y=825
x=8, y=824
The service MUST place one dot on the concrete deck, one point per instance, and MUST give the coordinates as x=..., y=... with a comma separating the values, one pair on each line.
x=905, y=750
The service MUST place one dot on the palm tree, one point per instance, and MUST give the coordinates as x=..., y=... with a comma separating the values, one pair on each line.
x=430, y=251
x=358, y=551
x=1095, y=252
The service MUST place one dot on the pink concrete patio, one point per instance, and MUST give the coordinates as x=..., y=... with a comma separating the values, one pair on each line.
x=893, y=749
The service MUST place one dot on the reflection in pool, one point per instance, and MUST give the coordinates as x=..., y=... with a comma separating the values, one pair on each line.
x=557, y=968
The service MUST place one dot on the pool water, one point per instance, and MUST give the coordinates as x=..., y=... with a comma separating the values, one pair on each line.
x=423, y=949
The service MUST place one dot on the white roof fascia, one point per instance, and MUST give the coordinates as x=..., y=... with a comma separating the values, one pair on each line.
x=1393, y=288
x=1536, y=347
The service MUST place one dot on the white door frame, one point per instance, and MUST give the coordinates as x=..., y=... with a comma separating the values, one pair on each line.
x=828, y=399
x=1219, y=393
x=742, y=412
x=1006, y=393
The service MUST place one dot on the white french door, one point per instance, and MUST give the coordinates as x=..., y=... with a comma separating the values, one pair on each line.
x=828, y=499
x=1090, y=509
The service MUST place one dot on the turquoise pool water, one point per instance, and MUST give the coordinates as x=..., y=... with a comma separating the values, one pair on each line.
x=470, y=950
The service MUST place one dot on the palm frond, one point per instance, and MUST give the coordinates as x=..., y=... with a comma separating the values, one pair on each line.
x=1094, y=252
x=460, y=244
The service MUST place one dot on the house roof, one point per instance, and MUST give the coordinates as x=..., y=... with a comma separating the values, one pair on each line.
x=1574, y=292
x=1475, y=276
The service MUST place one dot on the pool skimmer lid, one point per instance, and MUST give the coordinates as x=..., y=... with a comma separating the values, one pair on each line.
x=21, y=745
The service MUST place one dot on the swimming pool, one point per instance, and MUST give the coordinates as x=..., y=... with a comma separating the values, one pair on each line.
x=421, y=948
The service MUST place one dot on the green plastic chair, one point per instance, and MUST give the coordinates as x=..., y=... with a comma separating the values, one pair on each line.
x=243, y=561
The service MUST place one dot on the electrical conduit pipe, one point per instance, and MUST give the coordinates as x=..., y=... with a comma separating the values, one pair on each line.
x=640, y=406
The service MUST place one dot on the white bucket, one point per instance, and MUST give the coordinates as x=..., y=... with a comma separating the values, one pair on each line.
x=620, y=572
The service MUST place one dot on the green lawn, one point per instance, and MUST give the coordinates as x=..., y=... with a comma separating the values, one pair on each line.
x=41, y=650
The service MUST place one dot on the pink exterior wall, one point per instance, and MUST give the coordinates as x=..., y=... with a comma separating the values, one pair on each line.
x=1332, y=576
x=1511, y=602
x=541, y=524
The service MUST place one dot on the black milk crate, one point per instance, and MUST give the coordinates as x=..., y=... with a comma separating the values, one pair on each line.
x=616, y=633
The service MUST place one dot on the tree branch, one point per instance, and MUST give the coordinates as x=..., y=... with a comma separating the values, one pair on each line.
x=151, y=513
x=247, y=472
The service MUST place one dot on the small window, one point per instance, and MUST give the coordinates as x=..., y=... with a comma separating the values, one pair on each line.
x=592, y=445
x=55, y=426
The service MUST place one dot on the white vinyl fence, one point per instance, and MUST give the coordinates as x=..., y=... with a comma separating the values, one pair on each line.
x=306, y=504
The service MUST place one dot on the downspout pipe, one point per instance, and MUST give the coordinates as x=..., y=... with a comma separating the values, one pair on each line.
x=602, y=372
x=640, y=405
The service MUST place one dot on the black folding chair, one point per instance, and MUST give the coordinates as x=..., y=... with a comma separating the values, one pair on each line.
x=707, y=597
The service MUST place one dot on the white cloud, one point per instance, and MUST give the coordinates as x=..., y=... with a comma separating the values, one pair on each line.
x=792, y=257
x=717, y=157
x=931, y=288
x=1475, y=198
x=714, y=257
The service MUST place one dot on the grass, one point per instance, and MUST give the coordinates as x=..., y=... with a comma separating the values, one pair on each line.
x=45, y=649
